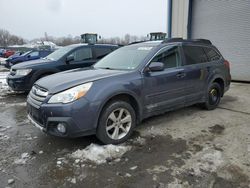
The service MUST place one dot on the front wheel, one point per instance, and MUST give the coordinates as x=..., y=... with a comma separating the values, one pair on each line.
x=213, y=96
x=116, y=123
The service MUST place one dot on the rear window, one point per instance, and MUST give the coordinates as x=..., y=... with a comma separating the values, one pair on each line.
x=212, y=54
x=194, y=55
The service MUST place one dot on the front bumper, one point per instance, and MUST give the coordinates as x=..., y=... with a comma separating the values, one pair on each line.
x=78, y=117
x=19, y=83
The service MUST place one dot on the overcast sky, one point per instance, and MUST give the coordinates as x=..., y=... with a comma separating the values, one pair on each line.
x=31, y=18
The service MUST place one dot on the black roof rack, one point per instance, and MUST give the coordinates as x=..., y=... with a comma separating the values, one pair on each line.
x=136, y=42
x=200, y=41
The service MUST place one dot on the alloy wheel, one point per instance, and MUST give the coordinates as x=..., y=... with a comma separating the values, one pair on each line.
x=118, y=123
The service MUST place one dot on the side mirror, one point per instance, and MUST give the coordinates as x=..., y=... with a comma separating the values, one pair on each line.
x=69, y=58
x=155, y=66
x=28, y=56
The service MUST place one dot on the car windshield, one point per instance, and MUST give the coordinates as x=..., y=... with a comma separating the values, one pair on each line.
x=126, y=58
x=56, y=55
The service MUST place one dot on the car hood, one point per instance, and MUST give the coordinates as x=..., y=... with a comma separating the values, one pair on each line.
x=65, y=80
x=31, y=64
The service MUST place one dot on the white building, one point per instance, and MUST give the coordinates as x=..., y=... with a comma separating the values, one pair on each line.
x=225, y=22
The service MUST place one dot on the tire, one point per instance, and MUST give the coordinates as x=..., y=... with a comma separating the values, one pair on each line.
x=213, y=96
x=116, y=122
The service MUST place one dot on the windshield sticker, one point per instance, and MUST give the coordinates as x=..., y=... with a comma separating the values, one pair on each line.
x=144, y=48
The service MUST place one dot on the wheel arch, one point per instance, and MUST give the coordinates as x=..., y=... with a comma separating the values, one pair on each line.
x=220, y=80
x=124, y=96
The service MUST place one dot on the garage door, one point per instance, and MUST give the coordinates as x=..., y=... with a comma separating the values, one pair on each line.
x=227, y=24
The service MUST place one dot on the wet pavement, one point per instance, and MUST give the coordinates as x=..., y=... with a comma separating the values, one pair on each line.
x=189, y=147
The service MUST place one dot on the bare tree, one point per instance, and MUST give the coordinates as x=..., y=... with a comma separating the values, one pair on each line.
x=7, y=39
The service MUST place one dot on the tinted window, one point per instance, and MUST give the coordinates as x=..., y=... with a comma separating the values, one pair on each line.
x=170, y=57
x=101, y=52
x=194, y=55
x=82, y=54
x=212, y=54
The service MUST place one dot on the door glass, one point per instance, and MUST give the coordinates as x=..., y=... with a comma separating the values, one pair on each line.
x=101, y=52
x=82, y=54
x=194, y=55
x=169, y=57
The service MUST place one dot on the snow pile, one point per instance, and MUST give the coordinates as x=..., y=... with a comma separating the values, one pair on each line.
x=100, y=154
x=23, y=159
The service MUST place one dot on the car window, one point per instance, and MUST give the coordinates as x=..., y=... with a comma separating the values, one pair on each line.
x=169, y=57
x=194, y=55
x=212, y=54
x=34, y=54
x=101, y=52
x=82, y=54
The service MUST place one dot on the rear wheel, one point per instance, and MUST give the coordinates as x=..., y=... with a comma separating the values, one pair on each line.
x=116, y=123
x=213, y=96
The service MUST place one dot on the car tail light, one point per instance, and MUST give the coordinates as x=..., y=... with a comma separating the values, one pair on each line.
x=227, y=64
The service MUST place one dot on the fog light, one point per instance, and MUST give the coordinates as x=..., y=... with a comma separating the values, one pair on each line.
x=61, y=127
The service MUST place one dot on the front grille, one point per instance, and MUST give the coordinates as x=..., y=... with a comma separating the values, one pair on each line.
x=35, y=114
x=37, y=95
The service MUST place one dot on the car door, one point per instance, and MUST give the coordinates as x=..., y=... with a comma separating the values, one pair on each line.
x=80, y=57
x=196, y=72
x=165, y=89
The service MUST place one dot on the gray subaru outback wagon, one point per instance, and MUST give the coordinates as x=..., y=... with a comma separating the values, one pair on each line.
x=128, y=85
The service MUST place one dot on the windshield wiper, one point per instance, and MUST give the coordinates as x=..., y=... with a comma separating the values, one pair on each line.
x=108, y=68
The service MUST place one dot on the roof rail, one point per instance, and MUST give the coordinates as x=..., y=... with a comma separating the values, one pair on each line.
x=200, y=41
x=136, y=42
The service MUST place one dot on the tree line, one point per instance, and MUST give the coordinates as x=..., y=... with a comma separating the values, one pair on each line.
x=8, y=39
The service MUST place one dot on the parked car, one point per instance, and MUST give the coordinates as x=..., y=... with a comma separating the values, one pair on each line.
x=8, y=53
x=28, y=56
x=132, y=83
x=23, y=75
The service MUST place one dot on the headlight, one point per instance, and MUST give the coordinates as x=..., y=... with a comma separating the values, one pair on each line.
x=71, y=94
x=23, y=72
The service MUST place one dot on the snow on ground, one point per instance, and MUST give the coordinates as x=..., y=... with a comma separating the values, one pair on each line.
x=208, y=160
x=3, y=84
x=23, y=159
x=100, y=154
